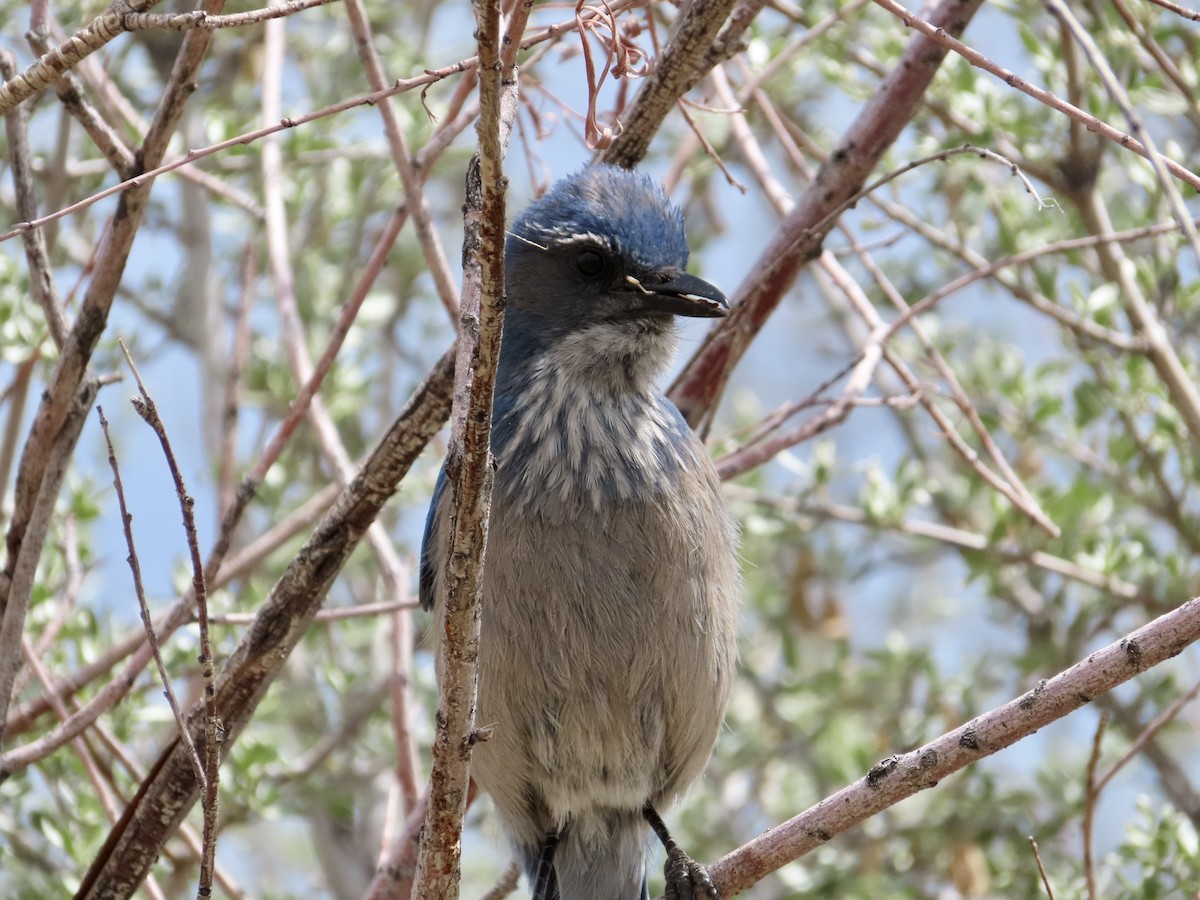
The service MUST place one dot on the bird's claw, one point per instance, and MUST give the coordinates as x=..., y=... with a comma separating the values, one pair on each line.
x=686, y=878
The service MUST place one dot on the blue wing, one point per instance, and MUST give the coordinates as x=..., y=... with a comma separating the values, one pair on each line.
x=430, y=564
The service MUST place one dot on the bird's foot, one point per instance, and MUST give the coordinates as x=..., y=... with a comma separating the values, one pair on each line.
x=686, y=878
x=544, y=878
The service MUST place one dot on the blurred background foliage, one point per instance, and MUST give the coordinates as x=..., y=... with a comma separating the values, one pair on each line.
x=891, y=594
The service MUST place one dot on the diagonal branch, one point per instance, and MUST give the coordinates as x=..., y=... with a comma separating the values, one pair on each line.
x=49, y=68
x=897, y=777
x=938, y=35
x=677, y=70
x=798, y=239
x=51, y=426
x=170, y=789
x=36, y=252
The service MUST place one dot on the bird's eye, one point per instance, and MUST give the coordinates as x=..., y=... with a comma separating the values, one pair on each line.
x=589, y=263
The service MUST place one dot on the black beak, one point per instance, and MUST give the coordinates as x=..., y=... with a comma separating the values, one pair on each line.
x=683, y=295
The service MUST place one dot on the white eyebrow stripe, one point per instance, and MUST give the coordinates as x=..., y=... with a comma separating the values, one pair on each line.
x=526, y=240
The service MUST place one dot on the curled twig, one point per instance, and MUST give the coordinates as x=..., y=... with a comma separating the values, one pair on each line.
x=624, y=59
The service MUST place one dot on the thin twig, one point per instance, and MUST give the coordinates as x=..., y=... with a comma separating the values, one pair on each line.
x=41, y=276
x=977, y=59
x=1147, y=734
x=15, y=394
x=1090, y=797
x=146, y=408
x=1160, y=345
x=139, y=590
x=400, y=86
x=395, y=875
x=66, y=600
x=506, y=884
x=1190, y=14
x=201, y=19
x=1005, y=552
x=414, y=193
x=1037, y=858
x=358, y=611
x=239, y=353
x=358, y=709
x=408, y=768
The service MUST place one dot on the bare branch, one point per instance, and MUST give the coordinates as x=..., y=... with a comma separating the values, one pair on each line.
x=45, y=71
x=23, y=566
x=1156, y=725
x=414, y=194
x=40, y=276
x=953, y=537
x=209, y=784
x=201, y=19
x=930, y=29
x=400, y=86
x=1091, y=796
x=897, y=777
x=140, y=591
x=170, y=788
x=679, y=67
x=1037, y=858
x=469, y=466
x=796, y=242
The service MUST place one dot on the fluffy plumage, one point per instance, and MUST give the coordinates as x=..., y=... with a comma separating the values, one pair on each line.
x=610, y=582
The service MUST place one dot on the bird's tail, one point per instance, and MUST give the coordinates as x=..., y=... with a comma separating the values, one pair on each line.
x=600, y=857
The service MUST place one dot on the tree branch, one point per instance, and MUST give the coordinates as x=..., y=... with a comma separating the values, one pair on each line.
x=797, y=241
x=677, y=70
x=469, y=462
x=897, y=777
x=170, y=789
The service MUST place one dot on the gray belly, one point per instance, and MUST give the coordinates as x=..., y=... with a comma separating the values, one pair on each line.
x=606, y=653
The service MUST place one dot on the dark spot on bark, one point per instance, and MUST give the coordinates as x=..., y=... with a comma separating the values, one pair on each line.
x=968, y=740
x=881, y=770
x=1133, y=653
x=1030, y=699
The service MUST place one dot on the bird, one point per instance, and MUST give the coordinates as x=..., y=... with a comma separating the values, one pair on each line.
x=610, y=589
